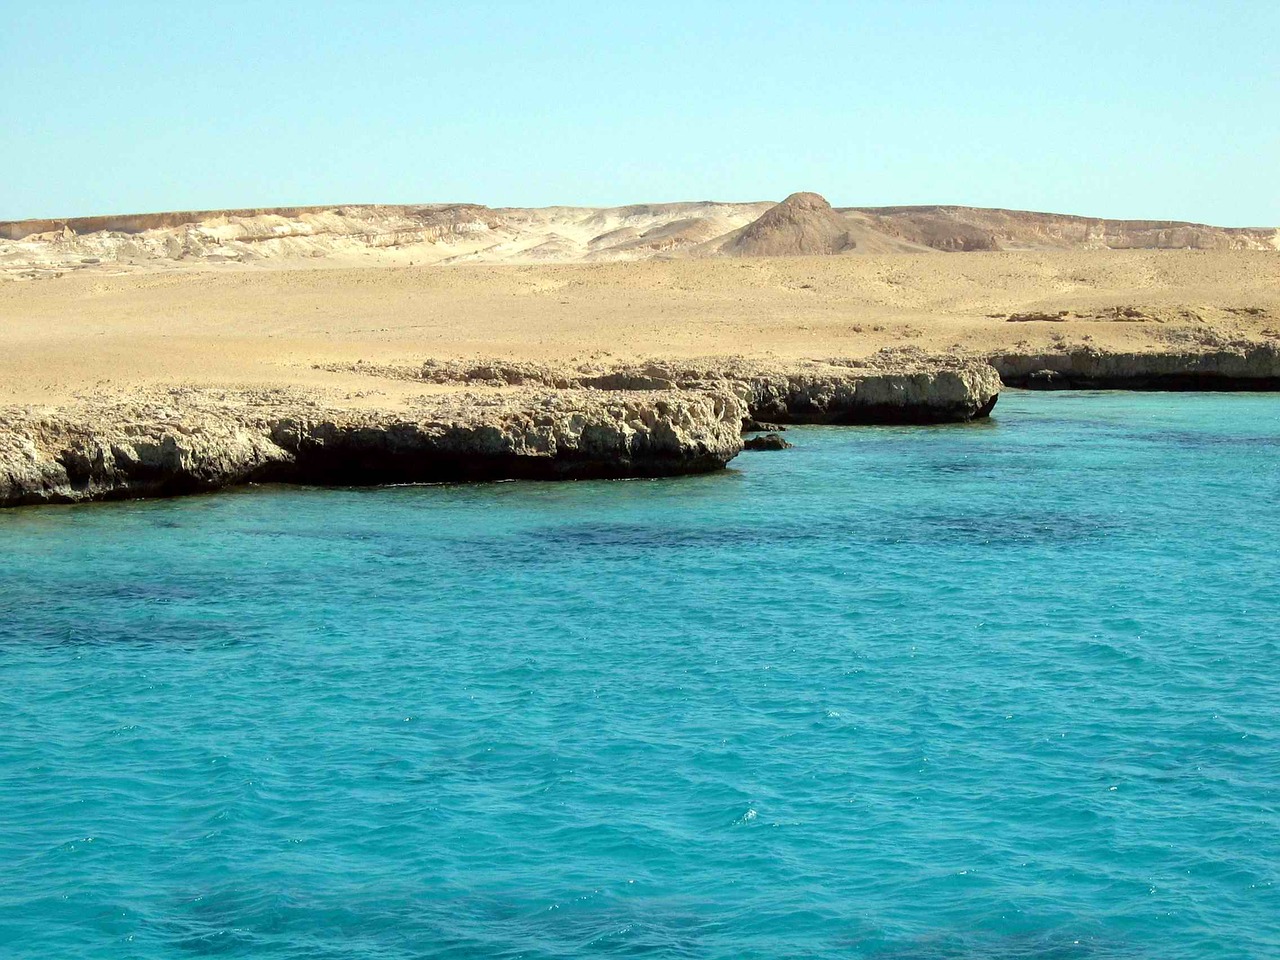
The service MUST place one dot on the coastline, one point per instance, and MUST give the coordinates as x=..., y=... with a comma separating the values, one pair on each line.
x=1240, y=367
x=501, y=420
x=156, y=383
x=631, y=424
x=191, y=442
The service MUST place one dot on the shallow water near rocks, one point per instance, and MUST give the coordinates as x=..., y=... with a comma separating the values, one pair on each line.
x=1005, y=690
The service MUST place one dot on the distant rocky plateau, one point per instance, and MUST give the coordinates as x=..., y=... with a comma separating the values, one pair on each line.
x=803, y=224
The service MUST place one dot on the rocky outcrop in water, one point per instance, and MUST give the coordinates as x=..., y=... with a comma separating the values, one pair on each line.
x=889, y=388
x=1237, y=367
x=187, y=442
x=533, y=422
x=923, y=391
x=769, y=441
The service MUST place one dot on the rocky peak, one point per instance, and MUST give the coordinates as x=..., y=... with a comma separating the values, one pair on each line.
x=800, y=225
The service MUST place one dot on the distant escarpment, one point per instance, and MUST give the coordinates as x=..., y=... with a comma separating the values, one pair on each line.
x=804, y=224
x=951, y=228
x=189, y=441
x=894, y=387
x=1248, y=366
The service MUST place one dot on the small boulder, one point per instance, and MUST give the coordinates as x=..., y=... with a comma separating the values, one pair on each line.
x=770, y=441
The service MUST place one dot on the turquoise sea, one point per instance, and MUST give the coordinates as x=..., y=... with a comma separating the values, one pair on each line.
x=1005, y=690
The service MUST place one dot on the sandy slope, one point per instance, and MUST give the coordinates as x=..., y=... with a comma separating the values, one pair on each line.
x=91, y=333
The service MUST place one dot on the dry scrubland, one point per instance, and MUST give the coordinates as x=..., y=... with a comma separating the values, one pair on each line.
x=96, y=332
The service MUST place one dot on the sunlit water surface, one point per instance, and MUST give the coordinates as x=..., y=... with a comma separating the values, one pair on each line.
x=1007, y=690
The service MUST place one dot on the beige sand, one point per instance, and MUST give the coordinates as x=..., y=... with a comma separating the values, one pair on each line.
x=92, y=332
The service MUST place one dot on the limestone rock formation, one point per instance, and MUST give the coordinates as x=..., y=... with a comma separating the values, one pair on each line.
x=929, y=391
x=654, y=419
x=190, y=441
x=770, y=441
x=1248, y=366
x=900, y=386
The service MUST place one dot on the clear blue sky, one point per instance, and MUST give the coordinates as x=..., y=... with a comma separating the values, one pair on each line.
x=1121, y=109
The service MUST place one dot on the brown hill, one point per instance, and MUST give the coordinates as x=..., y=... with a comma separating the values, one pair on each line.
x=804, y=224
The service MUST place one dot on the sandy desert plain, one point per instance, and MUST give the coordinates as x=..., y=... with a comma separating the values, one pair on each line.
x=134, y=327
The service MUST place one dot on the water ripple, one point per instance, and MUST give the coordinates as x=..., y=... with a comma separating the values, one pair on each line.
x=917, y=693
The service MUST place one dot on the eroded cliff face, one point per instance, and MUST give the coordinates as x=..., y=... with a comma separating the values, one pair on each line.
x=901, y=389
x=937, y=393
x=900, y=386
x=192, y=441
x=1254, y=366
x=530, y=421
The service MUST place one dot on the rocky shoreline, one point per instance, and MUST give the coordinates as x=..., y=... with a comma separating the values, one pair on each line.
x=894, y=387
x=190, y=442
x=507, y=421
x=1235, y=367
x=525, y=420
